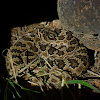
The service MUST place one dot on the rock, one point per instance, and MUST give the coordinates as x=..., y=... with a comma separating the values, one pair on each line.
x=82, y=17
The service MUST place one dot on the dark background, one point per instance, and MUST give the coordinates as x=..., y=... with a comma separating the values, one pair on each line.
x=17, y=13
x=14, y=14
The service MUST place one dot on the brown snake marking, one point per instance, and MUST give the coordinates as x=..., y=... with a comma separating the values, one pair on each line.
x=56, y=50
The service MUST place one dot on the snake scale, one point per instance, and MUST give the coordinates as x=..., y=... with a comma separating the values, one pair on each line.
x=46, y=56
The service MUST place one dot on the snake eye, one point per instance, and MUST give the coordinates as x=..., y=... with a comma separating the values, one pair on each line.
x=52, y=36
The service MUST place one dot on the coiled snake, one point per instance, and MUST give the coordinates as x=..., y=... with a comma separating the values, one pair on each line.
x=40, y=53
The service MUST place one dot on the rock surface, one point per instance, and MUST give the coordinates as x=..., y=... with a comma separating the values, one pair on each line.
x=82, y=17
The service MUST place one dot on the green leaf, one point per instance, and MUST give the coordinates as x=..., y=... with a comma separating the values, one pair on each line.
x=5, y=93
x=25, y=88
x=83, y=83
x=11, y=83
x=44, y=74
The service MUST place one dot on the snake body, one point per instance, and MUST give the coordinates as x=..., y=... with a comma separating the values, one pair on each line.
x=42, y=54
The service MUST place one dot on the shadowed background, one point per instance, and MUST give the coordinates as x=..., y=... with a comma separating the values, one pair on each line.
x=17, y=13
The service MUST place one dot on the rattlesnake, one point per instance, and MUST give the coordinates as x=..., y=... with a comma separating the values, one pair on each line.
x=39, y=53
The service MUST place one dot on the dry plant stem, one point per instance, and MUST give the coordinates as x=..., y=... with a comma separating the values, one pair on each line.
x=64, y=81
x=3, y=52
x=47, y=63
x=79, y=86
x=38, y=83
x=19, y=39
x=40, y=86
x=27, y=66
x=93, y=73
x=11, y=61
x=95, y=53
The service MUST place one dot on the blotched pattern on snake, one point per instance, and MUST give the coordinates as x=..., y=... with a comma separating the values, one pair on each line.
x=43, y=54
